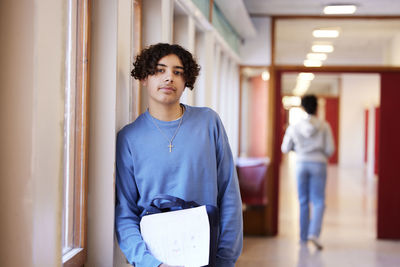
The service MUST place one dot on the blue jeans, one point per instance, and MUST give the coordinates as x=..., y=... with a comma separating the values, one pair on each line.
x=311, y=181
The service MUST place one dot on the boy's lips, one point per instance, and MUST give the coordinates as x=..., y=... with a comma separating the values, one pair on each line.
x=168, y=88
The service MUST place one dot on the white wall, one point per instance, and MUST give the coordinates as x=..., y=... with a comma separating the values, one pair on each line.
x=205, y=49
x=16, y=105
x=395, y=51
x=371, y=140
x=245, y=127
x=157, y=27
x=102, y=130
x=124, y=93
x=358, y=92
x=232, y=105
x=32, y=105
x=257, y=51
x=184, y=35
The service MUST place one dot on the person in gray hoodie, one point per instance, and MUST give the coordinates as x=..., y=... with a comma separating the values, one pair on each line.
x=311, y=139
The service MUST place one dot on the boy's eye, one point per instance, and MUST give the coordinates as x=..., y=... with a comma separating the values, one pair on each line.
x=160, y=70
x=178, y=73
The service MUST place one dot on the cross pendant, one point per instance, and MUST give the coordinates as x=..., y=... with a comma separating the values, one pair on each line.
x=170, y=147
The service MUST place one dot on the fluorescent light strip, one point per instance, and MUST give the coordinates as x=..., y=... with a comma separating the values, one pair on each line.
x=316, y=56
x=291, y=101
x=325, y=33
x=307, y=76
x=312, y=63
x=301, y=87
x=319, y=48
x=340, y=9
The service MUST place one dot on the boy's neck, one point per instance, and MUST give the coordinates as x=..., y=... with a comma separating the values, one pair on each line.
x=166, y=113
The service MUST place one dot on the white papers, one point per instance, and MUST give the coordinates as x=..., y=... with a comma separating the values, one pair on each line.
x=180, y=238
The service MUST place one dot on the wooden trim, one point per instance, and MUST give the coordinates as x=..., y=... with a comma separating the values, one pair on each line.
x=273, y=140
x=318, y=95
x=382, y=176
x=325, y=16
x=240, y=111
x=255, y=67
x=137, y=47
x=357, y=69
x=276, y=72
x=137, y=25
x=81, y=133
x=85, y=122
x=329, y=17
x=210, y=11
x=272, y=183
x=272, y=36
x=77, y=260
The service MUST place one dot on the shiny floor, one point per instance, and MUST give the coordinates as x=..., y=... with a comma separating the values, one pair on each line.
x=348, y=233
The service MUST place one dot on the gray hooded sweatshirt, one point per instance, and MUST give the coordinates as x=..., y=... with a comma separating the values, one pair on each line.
x=311, y=139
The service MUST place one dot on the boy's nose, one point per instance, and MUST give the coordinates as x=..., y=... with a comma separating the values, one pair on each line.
x=168, y=77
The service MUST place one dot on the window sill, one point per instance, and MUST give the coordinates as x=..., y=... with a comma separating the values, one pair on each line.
x=74, y=258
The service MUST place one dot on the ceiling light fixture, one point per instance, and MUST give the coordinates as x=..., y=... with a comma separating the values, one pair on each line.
x=322, y=48
x=312, y=63
x=265, y=75
x=308, y=76
x=326, y=33
x=316, y=56
x=340, y=9
x=291, y=101
x=301, y=87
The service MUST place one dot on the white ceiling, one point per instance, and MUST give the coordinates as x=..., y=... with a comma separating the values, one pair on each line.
x=322, y=84
x=315, y=7
x=361, y=42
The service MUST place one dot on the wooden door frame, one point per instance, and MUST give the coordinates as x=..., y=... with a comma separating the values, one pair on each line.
x=274, y=120
x=276, y=75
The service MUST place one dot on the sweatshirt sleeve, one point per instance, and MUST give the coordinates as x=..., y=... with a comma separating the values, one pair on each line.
x=329, y=143
x=287, y=143
x=229, y=202
x=127, y=213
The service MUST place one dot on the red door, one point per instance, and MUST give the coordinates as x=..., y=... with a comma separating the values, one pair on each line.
x=389, y=149
x=332, y=117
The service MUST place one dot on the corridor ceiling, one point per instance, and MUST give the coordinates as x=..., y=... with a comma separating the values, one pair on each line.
x=315, y=7
x=370, y=41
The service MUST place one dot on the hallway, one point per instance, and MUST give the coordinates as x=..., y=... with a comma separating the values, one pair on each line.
x=349, y=228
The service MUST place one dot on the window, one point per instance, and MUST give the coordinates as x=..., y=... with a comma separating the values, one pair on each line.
x=76, y=134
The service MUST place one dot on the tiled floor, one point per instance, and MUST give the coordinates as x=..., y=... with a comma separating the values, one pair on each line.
x=349, y=231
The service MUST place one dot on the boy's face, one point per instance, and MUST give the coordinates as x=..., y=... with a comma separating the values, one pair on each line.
x=167, y=84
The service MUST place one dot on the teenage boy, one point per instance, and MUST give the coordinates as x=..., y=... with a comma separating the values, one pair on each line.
x=174, y=149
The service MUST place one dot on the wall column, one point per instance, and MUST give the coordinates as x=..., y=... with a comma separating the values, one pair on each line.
x=102, y=133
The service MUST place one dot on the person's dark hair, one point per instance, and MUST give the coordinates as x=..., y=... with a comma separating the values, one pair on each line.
x=146, y=62
x=309, y=103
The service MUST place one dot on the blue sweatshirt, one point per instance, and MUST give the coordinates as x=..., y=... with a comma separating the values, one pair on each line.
x=200, y=168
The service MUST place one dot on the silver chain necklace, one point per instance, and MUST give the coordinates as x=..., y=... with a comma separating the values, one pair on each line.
x=170, y=146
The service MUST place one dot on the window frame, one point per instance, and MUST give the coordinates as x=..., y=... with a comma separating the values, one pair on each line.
x=79, y=140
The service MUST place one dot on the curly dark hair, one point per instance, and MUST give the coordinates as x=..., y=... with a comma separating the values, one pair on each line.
x=146, y=62
x=309, y=103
